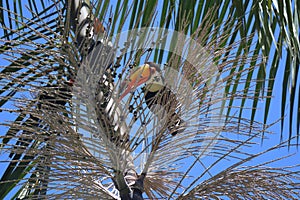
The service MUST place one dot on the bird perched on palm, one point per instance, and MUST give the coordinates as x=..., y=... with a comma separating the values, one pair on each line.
x=156, y=94
x=60, y=93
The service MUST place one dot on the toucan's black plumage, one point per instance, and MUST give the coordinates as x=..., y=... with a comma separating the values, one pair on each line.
x=156, y=93
x=167, y=99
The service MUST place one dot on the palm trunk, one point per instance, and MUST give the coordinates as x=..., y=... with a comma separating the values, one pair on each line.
x=108, y=114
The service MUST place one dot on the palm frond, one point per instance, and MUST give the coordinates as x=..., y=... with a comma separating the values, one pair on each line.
x=251, y=181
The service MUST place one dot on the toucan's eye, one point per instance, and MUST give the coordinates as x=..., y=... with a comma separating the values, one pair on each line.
x=152, y=70
x=156, y=78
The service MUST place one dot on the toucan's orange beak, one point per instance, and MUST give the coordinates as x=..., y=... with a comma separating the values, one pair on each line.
x=137, y=78
x=98, y=27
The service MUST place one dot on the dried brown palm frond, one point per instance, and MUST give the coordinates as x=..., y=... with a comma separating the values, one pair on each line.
x=241, y=180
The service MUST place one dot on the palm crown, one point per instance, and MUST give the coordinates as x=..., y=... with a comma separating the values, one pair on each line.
x=70, y=135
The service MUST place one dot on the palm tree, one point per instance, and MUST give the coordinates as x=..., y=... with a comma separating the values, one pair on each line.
x=67, y=134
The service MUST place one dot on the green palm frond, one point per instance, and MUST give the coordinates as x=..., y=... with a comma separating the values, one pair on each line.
x=33, y=56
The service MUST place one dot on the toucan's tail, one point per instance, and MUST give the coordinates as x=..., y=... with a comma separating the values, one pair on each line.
x=176, y=125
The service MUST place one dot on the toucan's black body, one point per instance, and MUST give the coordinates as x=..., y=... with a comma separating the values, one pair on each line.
x=167, y=100
x=163, y=97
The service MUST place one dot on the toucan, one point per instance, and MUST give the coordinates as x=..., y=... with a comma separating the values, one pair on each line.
x=57, y=95
x=156, y=93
